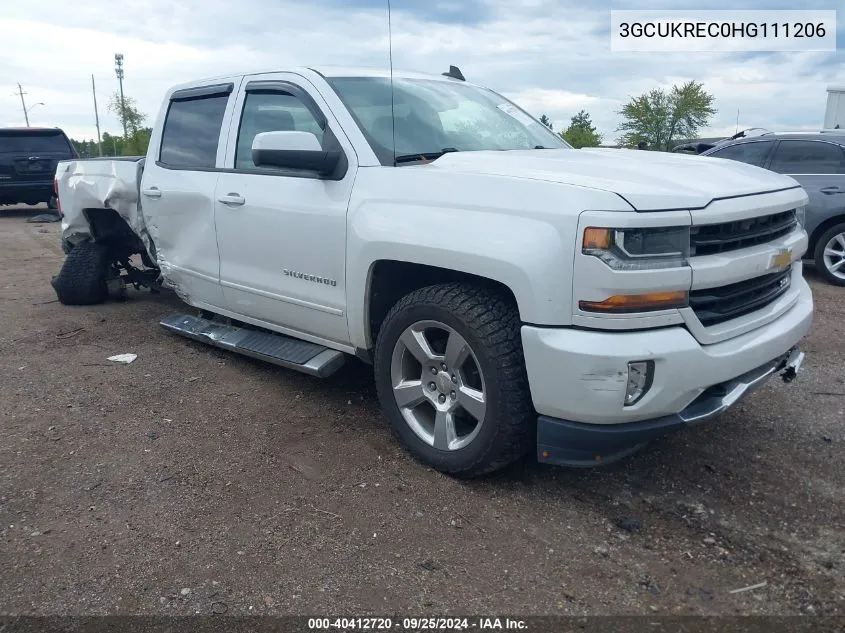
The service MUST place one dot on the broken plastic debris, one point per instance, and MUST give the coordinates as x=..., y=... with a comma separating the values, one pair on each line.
x=123, y=358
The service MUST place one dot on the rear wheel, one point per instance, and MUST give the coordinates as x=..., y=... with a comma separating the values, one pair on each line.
x=53, y=203
x=82, y=279
x=830, y=254
x=451, y=378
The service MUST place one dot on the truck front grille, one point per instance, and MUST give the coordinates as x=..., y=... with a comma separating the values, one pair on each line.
x=710, y=239
x=716, y=305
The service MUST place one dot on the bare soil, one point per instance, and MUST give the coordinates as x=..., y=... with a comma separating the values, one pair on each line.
x=196, y=481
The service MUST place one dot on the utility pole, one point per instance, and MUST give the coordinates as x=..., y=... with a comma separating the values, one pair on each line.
x=96, y=115
x=118, y=69
x=23, y=104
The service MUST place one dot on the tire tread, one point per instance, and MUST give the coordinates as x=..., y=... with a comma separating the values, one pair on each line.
x=82, y=279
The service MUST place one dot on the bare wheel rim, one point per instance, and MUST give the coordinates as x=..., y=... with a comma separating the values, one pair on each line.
x=834, y=256
x=438, y=385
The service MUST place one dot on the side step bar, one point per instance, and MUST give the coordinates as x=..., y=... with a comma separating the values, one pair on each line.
x=278, y=349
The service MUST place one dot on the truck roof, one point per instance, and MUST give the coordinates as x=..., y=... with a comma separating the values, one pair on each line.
x=326, y=71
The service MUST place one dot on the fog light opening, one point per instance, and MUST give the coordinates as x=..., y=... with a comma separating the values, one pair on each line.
x=640, y=376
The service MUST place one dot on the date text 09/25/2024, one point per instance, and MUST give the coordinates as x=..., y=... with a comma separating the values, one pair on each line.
x=416, y=624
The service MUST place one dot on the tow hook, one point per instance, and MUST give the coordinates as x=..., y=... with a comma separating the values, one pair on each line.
x=792, y=365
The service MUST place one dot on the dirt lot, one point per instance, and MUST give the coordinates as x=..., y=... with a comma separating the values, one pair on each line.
x=195, y=481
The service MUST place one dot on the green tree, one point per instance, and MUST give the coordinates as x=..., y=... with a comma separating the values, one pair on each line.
x=86, y=149
x=659, y=117
x=581, y=131
x=547, y=122
x=132, y=119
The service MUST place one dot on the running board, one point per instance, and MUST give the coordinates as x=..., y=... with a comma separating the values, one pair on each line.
x=278, y=349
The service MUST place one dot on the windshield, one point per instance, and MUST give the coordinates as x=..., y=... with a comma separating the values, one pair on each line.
x=21, y=142
x=433, y=116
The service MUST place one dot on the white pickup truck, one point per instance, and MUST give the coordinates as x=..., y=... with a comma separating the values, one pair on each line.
x=512, y=294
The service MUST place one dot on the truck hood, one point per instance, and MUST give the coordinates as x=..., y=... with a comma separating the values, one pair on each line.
x=648, y=181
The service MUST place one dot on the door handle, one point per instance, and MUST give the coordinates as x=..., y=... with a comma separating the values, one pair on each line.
x=832, y=190
x=232, y=199
x=152, y=192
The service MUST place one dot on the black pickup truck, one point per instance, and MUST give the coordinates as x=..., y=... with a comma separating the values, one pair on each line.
x=28, y=158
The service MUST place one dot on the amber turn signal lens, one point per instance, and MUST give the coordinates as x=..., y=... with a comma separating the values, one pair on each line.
x=638, y=303
x=596, y=238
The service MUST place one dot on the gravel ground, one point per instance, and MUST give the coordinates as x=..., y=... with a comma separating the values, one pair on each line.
x=196, y=481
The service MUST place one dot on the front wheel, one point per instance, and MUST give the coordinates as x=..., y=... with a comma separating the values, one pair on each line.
x=451, y=378
x=830, y=254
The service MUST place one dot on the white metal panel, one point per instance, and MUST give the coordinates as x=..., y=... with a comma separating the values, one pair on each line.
x=287, y=223
x=180, y=216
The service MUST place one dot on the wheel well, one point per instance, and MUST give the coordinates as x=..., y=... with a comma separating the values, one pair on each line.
x=817, y=233
x=110, y=229
x=391, y=280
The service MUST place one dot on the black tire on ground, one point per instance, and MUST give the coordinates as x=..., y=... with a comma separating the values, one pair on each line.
x=53, y=203
x=82, y=279
x=489, y=323
x=818, y=255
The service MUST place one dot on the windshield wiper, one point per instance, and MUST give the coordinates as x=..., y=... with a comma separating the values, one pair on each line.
x=423, y=156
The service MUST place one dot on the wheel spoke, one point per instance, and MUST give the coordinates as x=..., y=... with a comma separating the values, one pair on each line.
x=444, y=430
x=841, y=240
x=416, y=343
x=472, y=401
x=829, y=252
x=836, y=266
x=457, y=351
x=409, y=393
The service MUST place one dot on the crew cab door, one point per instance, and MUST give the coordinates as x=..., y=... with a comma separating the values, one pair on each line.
x=282, y=231
x=177, y=189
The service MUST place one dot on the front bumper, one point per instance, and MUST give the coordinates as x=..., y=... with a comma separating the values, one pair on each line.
x=576, y=444
x=578, y=378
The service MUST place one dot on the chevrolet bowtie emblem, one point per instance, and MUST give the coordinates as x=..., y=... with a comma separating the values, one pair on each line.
x=782, y=259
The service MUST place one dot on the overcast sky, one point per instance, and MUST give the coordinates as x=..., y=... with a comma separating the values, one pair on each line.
x=550, y=56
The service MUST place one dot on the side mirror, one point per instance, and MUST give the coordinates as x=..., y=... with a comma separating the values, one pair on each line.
x=293, y=150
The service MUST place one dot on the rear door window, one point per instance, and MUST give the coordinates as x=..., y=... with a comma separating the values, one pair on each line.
x=192, y=131
x=14, y=142
x=808, y=157
x=750, y=153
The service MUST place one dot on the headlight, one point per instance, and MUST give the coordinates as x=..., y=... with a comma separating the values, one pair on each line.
x=638, y=249
x=800, y=215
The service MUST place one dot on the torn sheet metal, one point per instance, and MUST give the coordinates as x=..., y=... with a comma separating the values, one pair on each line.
x=101, y=184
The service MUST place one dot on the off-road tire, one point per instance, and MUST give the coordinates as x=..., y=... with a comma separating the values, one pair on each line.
x=82, y=279
x=824, y=238
x=489, y=322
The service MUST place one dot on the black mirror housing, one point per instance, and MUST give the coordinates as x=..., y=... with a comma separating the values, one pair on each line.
x=323, y=162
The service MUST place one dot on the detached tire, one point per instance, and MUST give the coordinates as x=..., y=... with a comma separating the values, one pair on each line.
x=82, y=279
x=830, y=254
x=450, y=375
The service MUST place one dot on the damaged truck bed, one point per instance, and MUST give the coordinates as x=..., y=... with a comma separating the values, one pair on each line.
x=103, y=228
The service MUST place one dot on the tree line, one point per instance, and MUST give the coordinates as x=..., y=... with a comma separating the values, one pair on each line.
x=656, y=120
x=133, y=143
